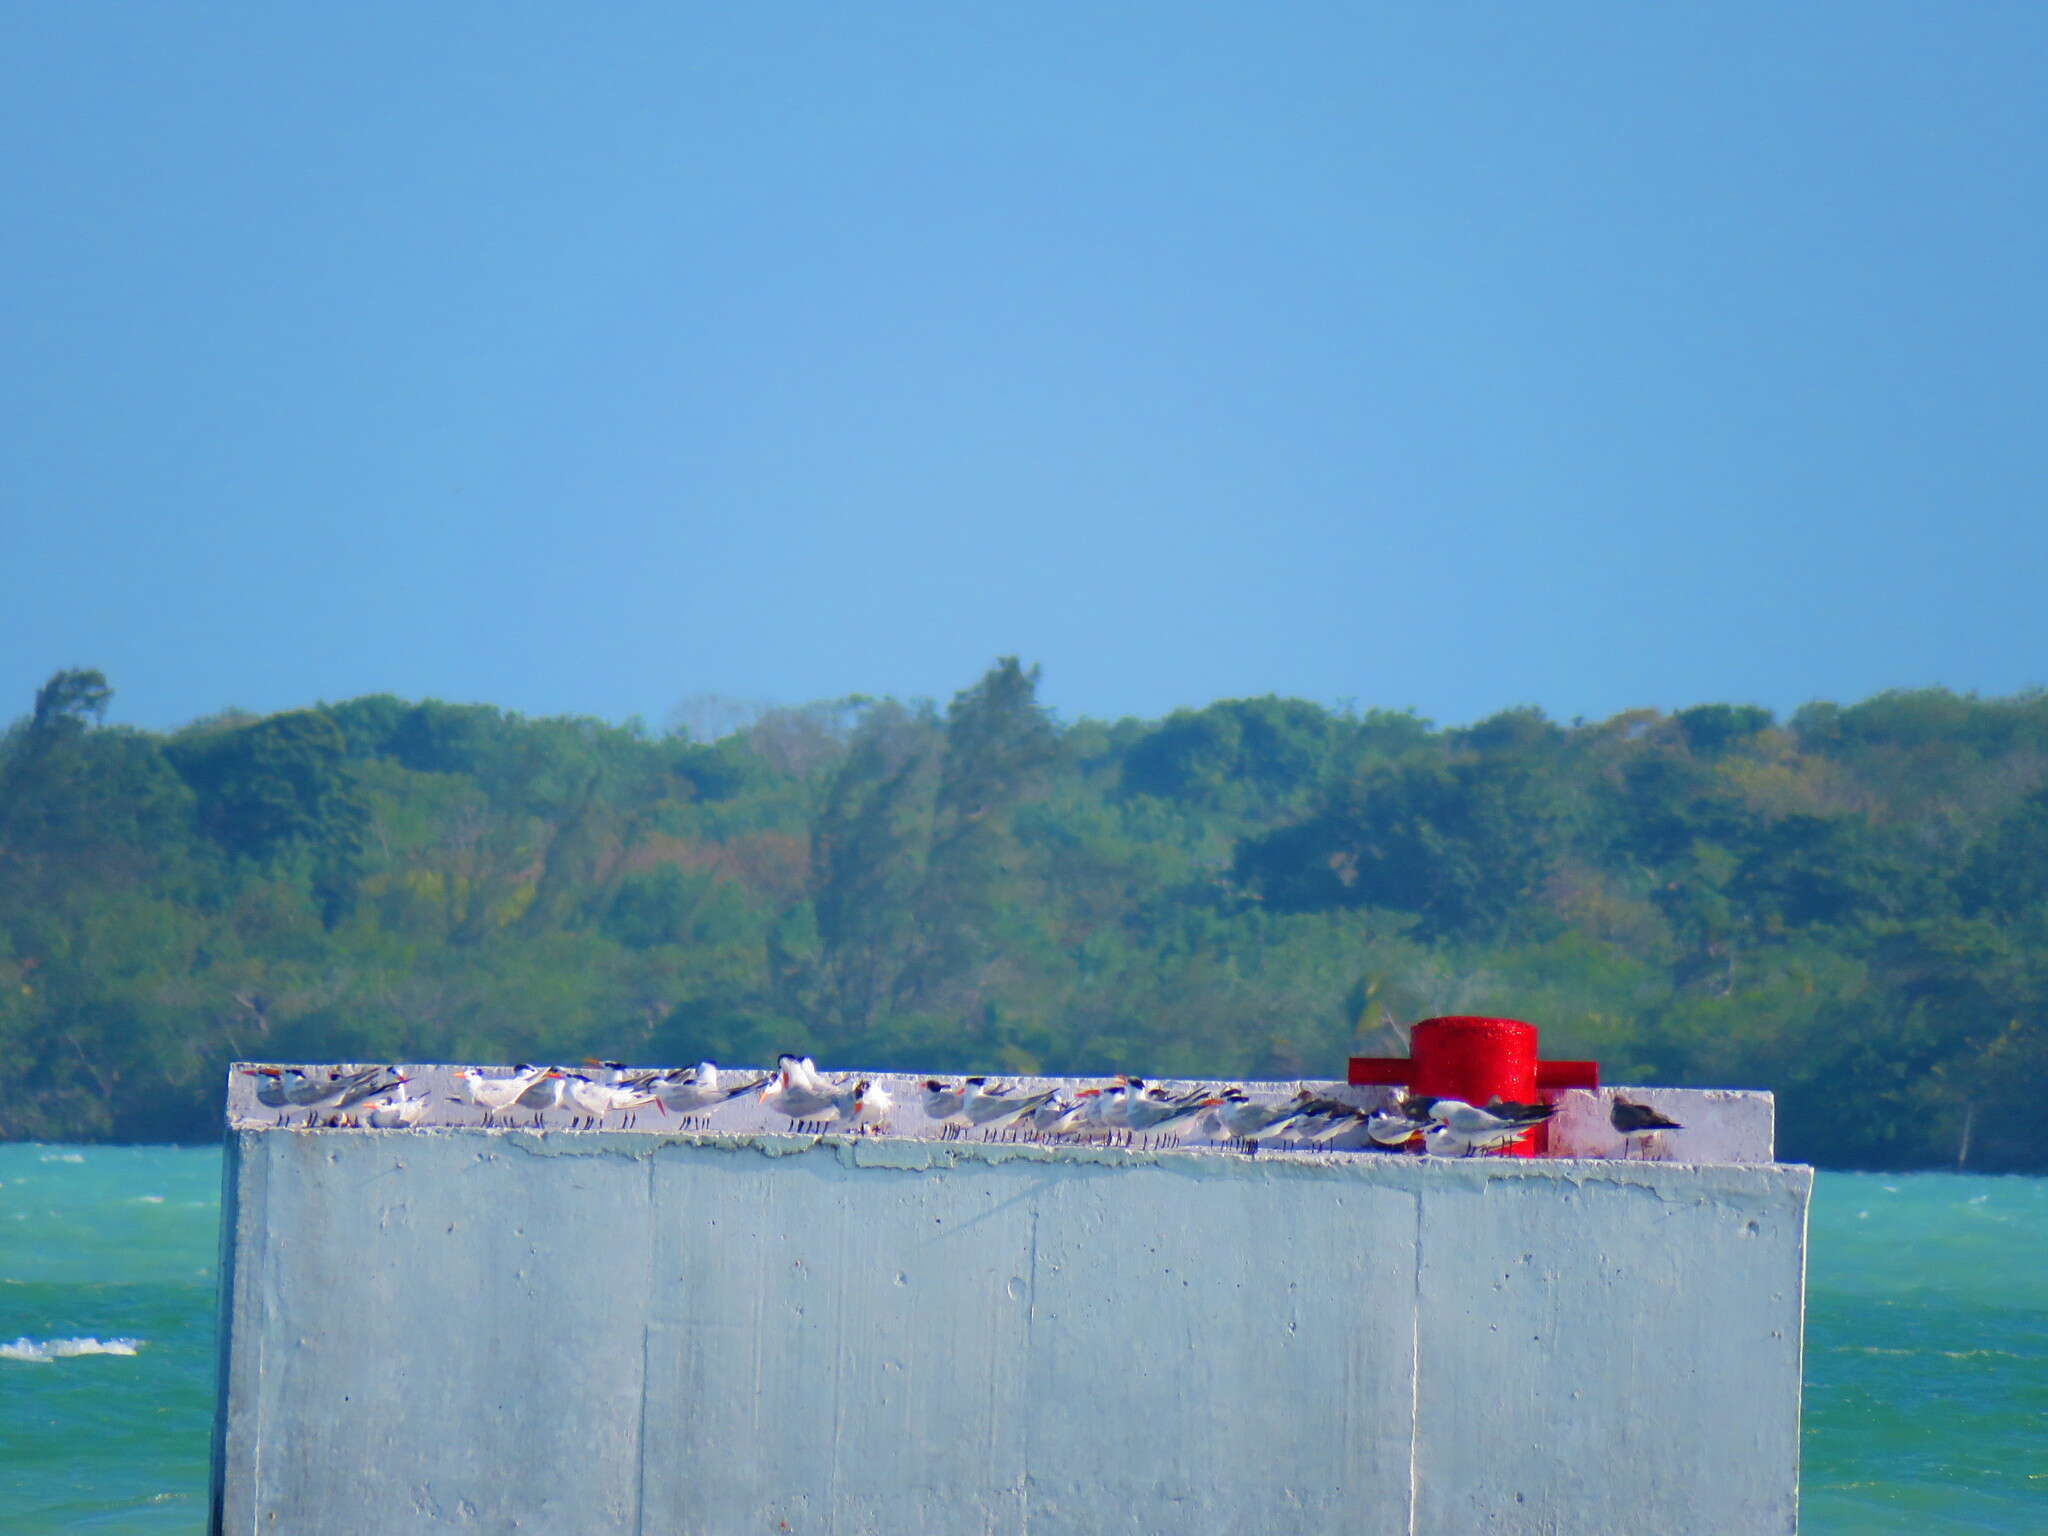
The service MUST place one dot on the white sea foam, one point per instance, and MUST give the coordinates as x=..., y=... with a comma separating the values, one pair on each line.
x=62, y=1157
x=43, y=1351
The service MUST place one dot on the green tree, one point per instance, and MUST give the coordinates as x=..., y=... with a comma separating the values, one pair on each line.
x=869, y=845
x=1713, y=729
x=266, y=787
x=1243, y=757
x=1463, y=846
x=999, y=746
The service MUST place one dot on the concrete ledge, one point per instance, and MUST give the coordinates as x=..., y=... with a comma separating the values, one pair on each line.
x=1721, y=1125
x=669, y=1333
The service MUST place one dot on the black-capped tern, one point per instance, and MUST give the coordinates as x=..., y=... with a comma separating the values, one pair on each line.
x=1482, y=1128
x=1526, y=1114
x=594, y=1101
x=941, y=1102
x=863, y=1106
x=1151, y=1109
x=544, y=1093
x=1247, y=1119
x=1341, y=1121
x=393, y=1109
x=1062, y=1117
x=1441, y=1141
x=798, y=1091
x=270, y=1089
x=700, y=1088
x=336, y=1094
x=805, y=1072
x=1313, y=1113
x=618, y=1075
x=495, y=1095
x=1390, y=1128
x=1105, y=1112
x=991, y=1106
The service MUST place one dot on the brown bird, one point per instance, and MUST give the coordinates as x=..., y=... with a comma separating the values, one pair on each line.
x=1638, y=1123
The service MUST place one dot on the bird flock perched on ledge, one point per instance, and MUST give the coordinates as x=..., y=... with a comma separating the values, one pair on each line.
x=1126, y=1111
x=375, y=1096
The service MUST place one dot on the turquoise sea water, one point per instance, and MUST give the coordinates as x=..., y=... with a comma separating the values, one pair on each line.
x=1926, y=1355
x=101, y=1245
x=1926, y=1347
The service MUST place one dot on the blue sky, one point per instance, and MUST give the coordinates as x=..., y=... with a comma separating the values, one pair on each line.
x=1454, y=357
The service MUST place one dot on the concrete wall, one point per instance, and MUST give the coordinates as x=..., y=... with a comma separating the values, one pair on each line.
x=513, y=1331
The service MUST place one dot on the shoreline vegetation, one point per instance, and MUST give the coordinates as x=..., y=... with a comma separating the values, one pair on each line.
x=1848, y=907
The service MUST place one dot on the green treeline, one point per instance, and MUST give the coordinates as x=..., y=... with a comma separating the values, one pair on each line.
x=1850, y=908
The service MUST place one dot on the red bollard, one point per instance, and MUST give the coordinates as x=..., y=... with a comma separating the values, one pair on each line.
x=1474, y=1059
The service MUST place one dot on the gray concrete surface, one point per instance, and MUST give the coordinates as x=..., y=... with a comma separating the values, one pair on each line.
x=462, y=1329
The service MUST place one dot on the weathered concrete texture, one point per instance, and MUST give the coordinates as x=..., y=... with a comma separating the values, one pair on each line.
x=504, y=1331
x=1722, y=1125
x=1592, y=1346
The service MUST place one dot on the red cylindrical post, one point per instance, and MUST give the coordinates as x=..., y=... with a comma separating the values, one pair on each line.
x=1473, y=1059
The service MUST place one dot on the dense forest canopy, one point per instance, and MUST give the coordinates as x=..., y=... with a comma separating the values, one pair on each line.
x=1849, y=907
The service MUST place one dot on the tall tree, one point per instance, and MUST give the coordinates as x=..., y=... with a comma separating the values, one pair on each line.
x=999, y=744
x=869, y=844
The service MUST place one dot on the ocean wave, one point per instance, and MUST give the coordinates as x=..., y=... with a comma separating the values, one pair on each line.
x=62, y=1157
x=1951, y=1354
x=43, y=1351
